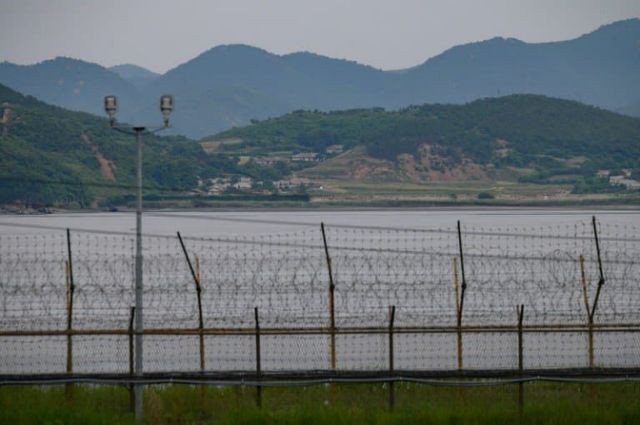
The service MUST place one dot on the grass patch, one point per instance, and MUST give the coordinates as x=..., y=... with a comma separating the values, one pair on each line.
x=545, y=403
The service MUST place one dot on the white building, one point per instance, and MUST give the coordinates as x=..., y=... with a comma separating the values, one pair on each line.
x=335, y=149
x=305, y=157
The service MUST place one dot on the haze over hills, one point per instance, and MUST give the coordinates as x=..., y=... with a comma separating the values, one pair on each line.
x=136, y=75
x=228, y=86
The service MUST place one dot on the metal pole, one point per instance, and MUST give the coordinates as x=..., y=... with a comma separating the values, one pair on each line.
x=392, y=396
x=461, y=304
x=590, y=344
x=520, y=362
x=138, y=389
x=464, y=281
x=258, y=366
x=601, y=281
x=585, y=296
x=132, y=399
x=70, y=291
x=598, y=290
x=332, y=288
x=456, y=285
x=195, y=274
x=202, y=356
x=585, y=291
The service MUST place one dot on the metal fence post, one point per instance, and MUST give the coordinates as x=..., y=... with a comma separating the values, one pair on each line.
x=132, y=398
x=70, y=291
x=258, y=365
x=601, y=280
x=456, y=285
x=392, y=397
x=461, y=304
x=196, y=280
x=585, y=296
x=200, y=315
x=598, y=290
x=332, y=288
x=520, y=362
x=585, y=289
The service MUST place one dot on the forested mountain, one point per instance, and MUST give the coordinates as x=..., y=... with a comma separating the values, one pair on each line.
x=229, y=85
x=601, y=68
x=70, y=83
x=49, y=155
x=136, y=75
x=518, y=130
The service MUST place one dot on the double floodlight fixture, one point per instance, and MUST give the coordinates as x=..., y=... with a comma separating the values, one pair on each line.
x=111, y=107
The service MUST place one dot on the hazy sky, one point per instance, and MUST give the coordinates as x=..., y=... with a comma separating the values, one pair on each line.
x=388, y=34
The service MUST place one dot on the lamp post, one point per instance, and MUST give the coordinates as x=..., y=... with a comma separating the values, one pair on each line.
x=111, y=107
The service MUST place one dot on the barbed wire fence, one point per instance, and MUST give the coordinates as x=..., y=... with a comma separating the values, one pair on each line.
x=325, y=304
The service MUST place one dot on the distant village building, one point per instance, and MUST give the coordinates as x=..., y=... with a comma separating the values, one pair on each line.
x=603, y=173
x=218, y=185
x=616, y=179
x=305, y=157
x=292, y=183
x=267, y=161
x=245, y=183
x=335, y=149
x=622, y=180
x=631, y=184
x=282, y=184
x=243, y=159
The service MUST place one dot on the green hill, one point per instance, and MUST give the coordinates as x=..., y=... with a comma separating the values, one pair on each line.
x=52, y=156
x=537, y=132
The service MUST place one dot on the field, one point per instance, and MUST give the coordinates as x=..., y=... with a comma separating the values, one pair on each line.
x=548, y=403
x=356, y=177
x=503, y=193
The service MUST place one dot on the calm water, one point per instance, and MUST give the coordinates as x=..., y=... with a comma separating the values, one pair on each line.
x=211, y=224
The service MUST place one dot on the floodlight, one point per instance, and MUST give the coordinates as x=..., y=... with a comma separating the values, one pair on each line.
x=166, y=107
x=111, y=107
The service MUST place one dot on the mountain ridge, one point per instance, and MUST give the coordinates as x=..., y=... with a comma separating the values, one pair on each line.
x=229, y=85
x=71, y=83
x=136, y=75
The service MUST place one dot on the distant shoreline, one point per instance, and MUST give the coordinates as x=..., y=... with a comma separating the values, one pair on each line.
x=617, y=207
